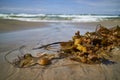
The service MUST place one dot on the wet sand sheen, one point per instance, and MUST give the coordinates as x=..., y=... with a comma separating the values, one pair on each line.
x=7, y=25
x=52, y=32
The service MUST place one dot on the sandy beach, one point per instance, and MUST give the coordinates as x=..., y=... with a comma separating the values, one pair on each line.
x=14, y=34
x=7, y=25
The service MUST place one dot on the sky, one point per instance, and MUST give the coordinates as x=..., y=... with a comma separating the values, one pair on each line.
x=60, y=6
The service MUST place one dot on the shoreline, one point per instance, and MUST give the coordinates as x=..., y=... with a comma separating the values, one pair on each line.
x=8, y=25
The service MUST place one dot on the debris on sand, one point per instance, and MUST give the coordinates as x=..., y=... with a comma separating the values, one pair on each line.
x=90, y=48
x=94, y=47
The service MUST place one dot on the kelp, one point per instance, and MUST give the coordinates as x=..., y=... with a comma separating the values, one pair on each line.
x=95, y=47
x=90, y=48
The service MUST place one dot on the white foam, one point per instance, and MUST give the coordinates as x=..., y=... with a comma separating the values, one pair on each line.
x=55, y=18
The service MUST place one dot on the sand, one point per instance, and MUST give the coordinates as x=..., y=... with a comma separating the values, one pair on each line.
x=7, y=25
x=14, y=34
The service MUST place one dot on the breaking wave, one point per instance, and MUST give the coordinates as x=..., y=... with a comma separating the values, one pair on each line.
x=58, y=17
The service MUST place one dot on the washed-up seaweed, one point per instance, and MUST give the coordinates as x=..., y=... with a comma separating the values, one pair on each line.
x=90, y=48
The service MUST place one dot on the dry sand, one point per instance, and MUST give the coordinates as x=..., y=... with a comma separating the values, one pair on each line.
x=14, y=36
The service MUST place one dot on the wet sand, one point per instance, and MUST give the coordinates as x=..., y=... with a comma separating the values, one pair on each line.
x=7, y=25
x=14, y=34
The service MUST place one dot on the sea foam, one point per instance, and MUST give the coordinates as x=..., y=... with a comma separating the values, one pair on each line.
x=57, y=17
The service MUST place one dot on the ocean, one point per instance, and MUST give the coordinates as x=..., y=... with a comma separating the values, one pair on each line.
x=58, y=17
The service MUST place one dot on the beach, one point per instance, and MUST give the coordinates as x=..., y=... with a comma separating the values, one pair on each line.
x=15, y=33
x=7, y=25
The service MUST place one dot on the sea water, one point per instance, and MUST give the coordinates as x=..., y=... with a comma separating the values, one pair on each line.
x=58, y=17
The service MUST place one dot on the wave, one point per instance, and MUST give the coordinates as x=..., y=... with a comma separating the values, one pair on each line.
x=58, y=17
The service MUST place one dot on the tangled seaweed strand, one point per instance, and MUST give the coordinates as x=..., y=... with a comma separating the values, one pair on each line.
x=5, y=57
x=76, y=55
x=44, y=46
x=20, y=49
x=81, y=51
x=97, y=27
x=8, y=53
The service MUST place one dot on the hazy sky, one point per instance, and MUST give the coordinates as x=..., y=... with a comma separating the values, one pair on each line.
x=61, y=6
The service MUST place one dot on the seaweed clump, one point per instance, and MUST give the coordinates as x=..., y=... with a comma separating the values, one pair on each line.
x=93, y=47
x=90, y=48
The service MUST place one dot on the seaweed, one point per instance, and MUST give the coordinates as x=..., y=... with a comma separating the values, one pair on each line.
x=90, y=48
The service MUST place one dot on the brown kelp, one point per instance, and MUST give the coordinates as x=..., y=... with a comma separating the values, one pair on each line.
x=90, y=48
